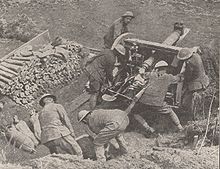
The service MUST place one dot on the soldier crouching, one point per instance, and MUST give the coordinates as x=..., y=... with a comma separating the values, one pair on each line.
x=106, y=124
x=57, y=132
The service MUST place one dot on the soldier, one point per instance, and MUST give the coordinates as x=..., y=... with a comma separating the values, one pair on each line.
x=57, y=132
x=100, y=71
x=118, y=27
x=195, y=78
x=106, y=124
x=154, y=95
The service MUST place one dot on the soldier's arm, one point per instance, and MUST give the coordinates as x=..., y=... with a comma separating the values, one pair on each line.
x=109, y=37
x=109, y=73
x=65, y=119
x=176, y=79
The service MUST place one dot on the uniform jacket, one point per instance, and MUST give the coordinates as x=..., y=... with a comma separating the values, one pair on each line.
x=115, y=30
x=195, y=77
x=54, y=122
x=155, y=93
x=101, y=68
x=100, y=117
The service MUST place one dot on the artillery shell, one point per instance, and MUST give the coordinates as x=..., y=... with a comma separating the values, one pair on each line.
x=22, y=94
x=12, y=67
x=27, y=87
x=24, y=101
x=23, y=58
x=27, y=93
x=5, y=80
x=7, y=70
x=26, y=53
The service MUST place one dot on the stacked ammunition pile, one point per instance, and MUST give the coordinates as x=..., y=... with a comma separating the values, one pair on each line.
x=27, y=74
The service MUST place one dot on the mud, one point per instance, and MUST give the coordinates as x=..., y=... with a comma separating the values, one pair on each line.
x=142, y=154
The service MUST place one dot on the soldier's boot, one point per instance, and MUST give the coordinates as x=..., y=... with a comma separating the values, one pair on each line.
x=122, y=144
x=148, y=128
x=77, y=149
x=107, y=154
x=143, y=123
x=176, y=120
x=100, y=153
x=114, y=143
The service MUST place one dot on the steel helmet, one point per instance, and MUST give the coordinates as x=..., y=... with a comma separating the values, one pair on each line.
x=82, y=114
x=161, y=63
x=185, y=53
x=128, y=14
x=44, y=96
x=120, y=49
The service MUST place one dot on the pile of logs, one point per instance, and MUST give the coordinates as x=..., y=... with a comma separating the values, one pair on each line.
x=27, y=74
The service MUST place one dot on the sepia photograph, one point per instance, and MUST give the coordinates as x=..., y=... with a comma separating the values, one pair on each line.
x=109, y=84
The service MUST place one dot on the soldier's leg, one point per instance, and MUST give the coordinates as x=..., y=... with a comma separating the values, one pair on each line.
x=105, y=135
x=100, y=153
x=122, y=143
x=187, y=104
x=166, y=109
x=197, y=104
x=143, y=123
x=70, y=145
x=106, y=147
x=175, y=119
x=95, y=91
x=52, y=146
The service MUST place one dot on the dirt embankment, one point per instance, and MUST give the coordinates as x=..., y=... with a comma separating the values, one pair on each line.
x=142, y=154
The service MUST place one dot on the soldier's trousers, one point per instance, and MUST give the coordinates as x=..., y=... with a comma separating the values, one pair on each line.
x=166, y=109
x=193, y=103
x=94, y=89
x=110, y=131
x=65, y=144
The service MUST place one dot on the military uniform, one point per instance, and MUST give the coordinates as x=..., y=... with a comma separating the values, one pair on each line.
x=115, y=30
x=100, y=69
x=57, y=132
x=154, y=95
x=195, y=82
x=108, y=124
x=195, y=77
x=99, y=72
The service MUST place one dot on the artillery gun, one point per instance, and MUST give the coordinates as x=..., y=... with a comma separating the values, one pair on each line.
x=40, y=48
x=142, y=53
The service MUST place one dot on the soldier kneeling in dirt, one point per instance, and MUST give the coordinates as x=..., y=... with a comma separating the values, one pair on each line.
x=106, y=124
x=57, y=132
x=156, y=91
x=100, y=71
x=195, y=79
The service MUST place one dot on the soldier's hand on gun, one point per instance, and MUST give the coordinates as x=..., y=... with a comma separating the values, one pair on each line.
x=181, y=77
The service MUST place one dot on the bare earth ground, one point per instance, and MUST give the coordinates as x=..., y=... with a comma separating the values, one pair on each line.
x=86, y=22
